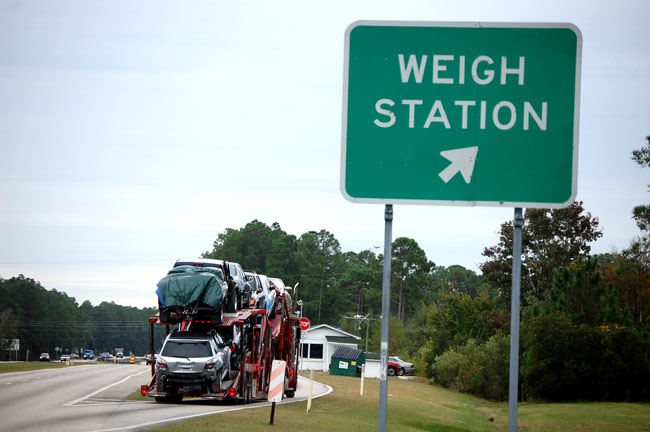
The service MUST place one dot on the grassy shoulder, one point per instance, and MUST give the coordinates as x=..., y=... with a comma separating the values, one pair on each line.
x=418, y=406
x=31, y=366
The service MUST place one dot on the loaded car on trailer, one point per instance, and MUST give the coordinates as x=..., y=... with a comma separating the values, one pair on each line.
x=238, y=287
x=192, y=363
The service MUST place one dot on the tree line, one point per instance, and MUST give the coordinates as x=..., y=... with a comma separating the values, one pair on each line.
x=44, y=320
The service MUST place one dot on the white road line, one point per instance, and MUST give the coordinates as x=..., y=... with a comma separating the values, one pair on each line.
x=102, y=389
x=187, y=417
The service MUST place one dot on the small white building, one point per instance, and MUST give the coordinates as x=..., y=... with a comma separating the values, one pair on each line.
x=320, y=342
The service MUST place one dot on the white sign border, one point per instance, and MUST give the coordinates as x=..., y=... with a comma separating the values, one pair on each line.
x=576, y=112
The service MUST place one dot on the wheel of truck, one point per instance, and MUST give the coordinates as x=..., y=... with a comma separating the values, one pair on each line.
x=392, y=371
x=290, y=393
x=248, y=390
x=169, y=399
x=400, y=372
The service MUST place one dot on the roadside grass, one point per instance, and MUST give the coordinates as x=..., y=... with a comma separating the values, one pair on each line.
x=30, y=366
x=415, y=405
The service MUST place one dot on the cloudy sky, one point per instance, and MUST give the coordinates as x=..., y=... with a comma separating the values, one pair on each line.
x=133, y=133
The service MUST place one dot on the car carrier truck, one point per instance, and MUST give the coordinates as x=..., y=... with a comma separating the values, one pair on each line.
x=219, y=354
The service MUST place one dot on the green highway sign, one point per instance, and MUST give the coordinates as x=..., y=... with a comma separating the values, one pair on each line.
x=461, y=113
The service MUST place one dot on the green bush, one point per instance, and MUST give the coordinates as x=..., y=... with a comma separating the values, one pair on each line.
x=479, y=369
x=496, y=363
x=424, y=359
x=565, y=362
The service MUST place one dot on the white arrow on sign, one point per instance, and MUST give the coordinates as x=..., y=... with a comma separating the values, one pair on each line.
x=461, y=160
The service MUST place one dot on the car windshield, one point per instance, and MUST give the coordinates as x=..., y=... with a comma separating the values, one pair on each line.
x=252, y=281
x=185, y=349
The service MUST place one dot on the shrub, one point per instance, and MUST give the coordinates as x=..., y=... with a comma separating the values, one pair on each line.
x=481, y=370
x=566, y=362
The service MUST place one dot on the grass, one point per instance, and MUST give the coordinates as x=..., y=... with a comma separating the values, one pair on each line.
x=419, y=406
x=31, y=366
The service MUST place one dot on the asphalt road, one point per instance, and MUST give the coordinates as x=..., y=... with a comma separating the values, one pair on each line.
x=91, y=398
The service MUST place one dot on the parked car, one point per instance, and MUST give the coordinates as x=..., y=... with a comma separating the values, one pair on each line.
x=89, y=355
x=44, y=357
x=397, y=366
x=105, y=356
x=74, y=356
x=192, y=363
x=65, y=357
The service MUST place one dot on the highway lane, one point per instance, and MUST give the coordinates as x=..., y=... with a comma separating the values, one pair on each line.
x=91, y=398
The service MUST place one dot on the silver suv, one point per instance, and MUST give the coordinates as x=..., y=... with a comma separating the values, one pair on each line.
x=191, y=363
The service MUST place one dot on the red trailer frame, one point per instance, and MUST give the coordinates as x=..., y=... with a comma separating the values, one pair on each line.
x=265, y=336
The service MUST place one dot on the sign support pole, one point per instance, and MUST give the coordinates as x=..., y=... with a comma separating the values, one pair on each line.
x=385, y=317
x=518, y=224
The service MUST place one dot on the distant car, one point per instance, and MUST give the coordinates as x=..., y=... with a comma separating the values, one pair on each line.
x=89, y=355
x=65, y=357
x=397, y=366
x=119, y=354
x=44, y=357
x=105, y=356
x=74, y=356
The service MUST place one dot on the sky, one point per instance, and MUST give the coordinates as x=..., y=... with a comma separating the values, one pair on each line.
x=133, y=133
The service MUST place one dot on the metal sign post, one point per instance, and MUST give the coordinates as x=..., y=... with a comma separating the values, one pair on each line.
x=514, y=320
x=385, y=317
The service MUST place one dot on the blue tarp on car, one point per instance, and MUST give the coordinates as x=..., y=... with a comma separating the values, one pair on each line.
x=185, y=285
